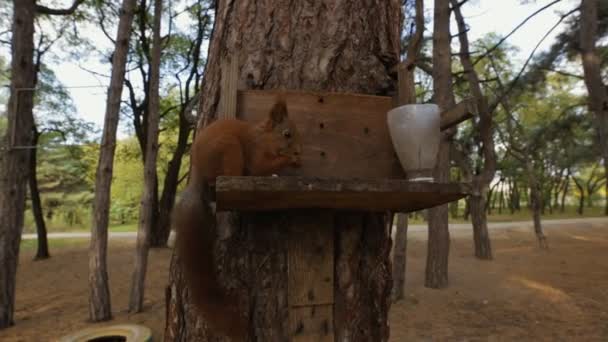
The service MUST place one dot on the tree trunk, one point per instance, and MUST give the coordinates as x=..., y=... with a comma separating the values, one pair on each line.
x=606, y=188
x=14, y=161
x=320, y=45
x=483, y=245
x=517, y=198
x=43, y=245
x=536, y=204
x=598, y=91
x=562, y=208
x=99, y=295
x=439, y=235
x=407, y=95
x=160, y=237
x=581, y=200
x=400, y=257
x=148, y=204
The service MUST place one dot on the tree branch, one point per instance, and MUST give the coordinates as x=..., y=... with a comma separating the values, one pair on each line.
x=514, y=30
x=52, y=11
x=516, y=79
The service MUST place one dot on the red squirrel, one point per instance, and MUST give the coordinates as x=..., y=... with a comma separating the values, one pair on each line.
x=226, y=147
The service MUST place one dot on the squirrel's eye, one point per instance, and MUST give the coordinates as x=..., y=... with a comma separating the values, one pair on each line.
x=287, y=133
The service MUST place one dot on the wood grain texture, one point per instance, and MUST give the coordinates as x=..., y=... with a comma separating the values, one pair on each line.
x=311, y=323
x=229, y=87
x=311, y=264
x=343, y=135
x=460, y=112
x=272, y=193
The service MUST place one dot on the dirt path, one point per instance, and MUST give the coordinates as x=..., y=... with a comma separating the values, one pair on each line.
x=525, y=294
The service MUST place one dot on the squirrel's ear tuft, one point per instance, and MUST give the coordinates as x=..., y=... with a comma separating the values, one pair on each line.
x=278, y=113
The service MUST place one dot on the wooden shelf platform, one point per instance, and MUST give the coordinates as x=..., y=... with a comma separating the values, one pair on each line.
x=276, y=193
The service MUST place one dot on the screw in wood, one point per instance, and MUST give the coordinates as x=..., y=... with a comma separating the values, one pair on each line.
x=325, y=327
x=299, y=328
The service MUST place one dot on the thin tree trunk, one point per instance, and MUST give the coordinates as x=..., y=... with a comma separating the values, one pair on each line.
x=99, y=291
x=535, y=201
x=501, y=202
x=517, y=199
x=400, y=257
x=581, y=201
x=564, y=193
x=43, y=245
x=167, y=199
x=481, y=182
x=148, y=205
x=481, y=238
x=606, y=188
x=14, y=161
x=316, y=46
x=439, y=236
x=512, y=197
x=598, y=91
x=407, y=95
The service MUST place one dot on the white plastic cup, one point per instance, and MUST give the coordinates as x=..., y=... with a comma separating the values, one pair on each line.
x=415, y=133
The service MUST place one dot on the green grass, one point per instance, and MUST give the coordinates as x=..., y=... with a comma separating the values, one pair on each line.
x=129, y=227
x=525, y=215
x=505, y=216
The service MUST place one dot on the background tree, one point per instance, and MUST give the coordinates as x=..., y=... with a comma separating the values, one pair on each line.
x=99, y=291
x=408, y=92
x=592, y=67
x=483, y=173
x=148, y=206
x=439, y=235
x=14, y=161
x=182, y=72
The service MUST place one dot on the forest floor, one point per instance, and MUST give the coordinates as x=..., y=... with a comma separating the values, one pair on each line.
x=525, y=294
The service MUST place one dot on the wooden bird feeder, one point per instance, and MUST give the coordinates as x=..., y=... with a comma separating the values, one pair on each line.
x=348, y=163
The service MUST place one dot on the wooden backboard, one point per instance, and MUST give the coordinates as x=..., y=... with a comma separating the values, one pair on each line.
x=343, y=135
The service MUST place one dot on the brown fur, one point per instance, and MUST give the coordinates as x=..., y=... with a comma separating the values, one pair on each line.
x=227, y=147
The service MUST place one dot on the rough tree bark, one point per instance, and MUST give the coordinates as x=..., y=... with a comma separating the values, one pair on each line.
x=407, y=94
x=148, y=205
x=14, y=161
x=481, y=181
x=43, y=244
x=439, y=236
x=320, y=45
x=99, y=291
x=598, y=91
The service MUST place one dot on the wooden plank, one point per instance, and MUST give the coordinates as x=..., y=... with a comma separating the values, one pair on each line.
x=229, y=87
x=273, y=193
x=311, y=252
x=343, y=135
x=462, y=111
x=311, y=323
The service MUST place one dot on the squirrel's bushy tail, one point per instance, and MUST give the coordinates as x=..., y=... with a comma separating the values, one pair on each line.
x=195, y=226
